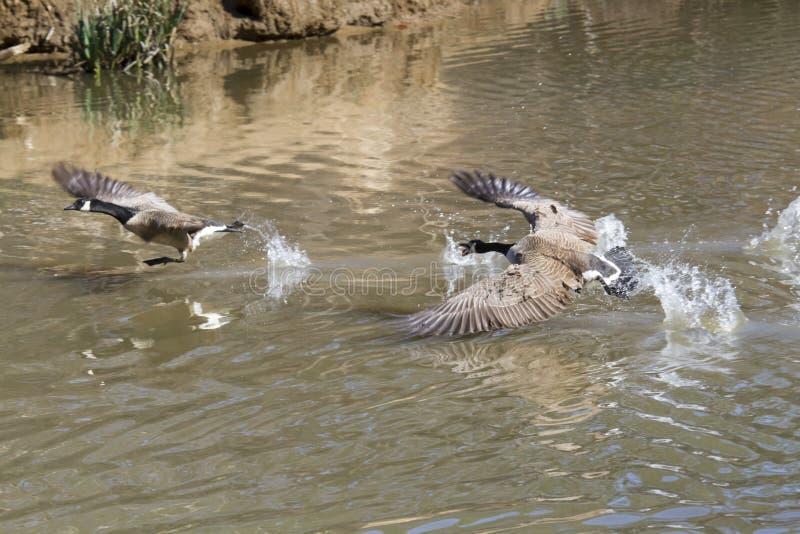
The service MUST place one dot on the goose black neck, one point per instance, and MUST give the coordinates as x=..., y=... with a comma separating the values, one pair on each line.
x=120, y=213
x=502, y=248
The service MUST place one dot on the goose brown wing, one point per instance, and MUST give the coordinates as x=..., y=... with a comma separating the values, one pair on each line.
x=81, y=183
x=148, y=224
x=541, y=213
x=522, y=294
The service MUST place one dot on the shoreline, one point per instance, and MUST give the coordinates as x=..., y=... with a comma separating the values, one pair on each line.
x=45, y=32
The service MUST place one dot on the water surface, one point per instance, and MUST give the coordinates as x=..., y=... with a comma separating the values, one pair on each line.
x=262, y=385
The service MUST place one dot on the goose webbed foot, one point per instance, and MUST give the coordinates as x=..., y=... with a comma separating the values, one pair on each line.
x=163, y=260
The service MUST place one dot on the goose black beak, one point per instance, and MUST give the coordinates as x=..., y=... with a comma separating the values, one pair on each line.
x=464, y=248
x=70, y=207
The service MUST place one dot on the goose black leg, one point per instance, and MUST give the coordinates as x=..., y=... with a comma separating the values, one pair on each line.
x=163, y=259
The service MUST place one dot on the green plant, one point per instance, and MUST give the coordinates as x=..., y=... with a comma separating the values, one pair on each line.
x=124, y=34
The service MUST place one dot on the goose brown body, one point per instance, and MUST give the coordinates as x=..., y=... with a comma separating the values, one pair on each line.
x=549, y=265
x=173, y=229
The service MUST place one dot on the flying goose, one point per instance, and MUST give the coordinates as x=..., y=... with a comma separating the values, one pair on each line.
x=145, y=214
x=548, y=266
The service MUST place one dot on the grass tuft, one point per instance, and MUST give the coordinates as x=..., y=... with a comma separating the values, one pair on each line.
x=126, y=34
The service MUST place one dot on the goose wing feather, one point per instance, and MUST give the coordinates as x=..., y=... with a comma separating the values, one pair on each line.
x=81, y=183
x=541, y=213
x=522, y=294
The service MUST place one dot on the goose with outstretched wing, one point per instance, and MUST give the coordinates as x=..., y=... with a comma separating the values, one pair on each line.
x=145, y=214
x=548, y=266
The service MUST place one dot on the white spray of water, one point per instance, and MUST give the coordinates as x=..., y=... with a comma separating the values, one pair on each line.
x=610, y=233
x=689, y=297
x=287, y=265
x=692, y=299
x=782, y=243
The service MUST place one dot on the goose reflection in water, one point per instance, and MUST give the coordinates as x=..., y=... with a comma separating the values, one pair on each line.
x=558, y=384
x=213, y=320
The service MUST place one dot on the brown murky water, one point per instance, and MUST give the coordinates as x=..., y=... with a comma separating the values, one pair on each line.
x=262, y=386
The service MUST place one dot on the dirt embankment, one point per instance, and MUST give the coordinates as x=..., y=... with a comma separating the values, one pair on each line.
x=47, y=24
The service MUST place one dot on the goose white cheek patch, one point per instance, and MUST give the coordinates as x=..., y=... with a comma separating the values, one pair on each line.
x=87, y=206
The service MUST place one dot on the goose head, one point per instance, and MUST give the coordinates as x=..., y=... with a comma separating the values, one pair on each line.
x=82, y=204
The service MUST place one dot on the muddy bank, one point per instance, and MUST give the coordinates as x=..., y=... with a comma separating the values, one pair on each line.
x=47, y=24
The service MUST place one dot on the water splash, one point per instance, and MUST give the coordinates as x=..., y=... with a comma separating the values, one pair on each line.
x=610, y=233
x=287, y=265
x=782, y=243
x=692, y=299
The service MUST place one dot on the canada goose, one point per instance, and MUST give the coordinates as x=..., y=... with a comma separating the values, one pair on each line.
x=145, y=214
x=548, y=266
